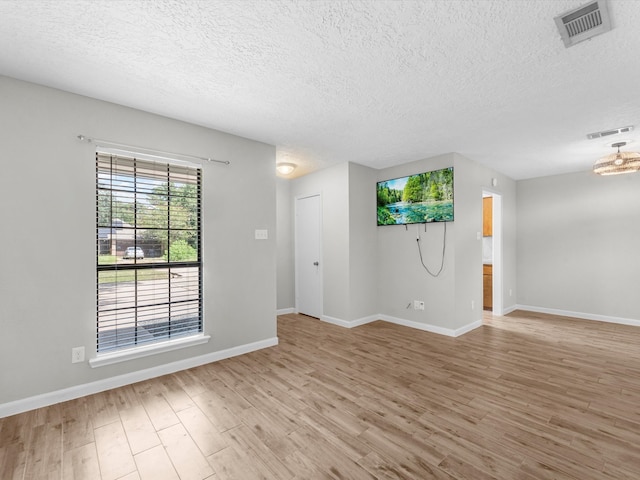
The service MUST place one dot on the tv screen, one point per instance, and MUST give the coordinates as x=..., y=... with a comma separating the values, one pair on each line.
x=421, y=198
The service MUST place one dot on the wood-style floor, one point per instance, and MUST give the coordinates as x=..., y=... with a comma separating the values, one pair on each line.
x=525, y=397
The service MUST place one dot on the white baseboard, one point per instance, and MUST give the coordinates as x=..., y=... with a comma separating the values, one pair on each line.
x=432, y=328
x=467, y=328
x=406, y=323
x=510, y=309
x=580, y=315
x=350, y=323
x=285, y=311
x=46, y=399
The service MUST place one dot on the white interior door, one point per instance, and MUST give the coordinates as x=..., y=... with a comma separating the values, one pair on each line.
x=308, y=248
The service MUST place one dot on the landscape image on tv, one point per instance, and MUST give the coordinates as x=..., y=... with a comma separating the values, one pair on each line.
x=421, y=198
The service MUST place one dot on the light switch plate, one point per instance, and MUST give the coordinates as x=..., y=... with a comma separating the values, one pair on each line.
x=262, y=234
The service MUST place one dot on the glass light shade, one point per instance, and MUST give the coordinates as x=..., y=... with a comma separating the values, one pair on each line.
x=285, y=168
x=617, y=163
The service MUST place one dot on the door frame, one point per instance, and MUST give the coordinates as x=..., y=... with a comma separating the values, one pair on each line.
x=320, y=252
x=497, y=278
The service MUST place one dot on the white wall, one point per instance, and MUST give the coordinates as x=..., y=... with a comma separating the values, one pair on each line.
x=578, y=237
x=333, y=185
x=47, y=249
x=401, y=277
x=363, y=243
x=285, y=246
x=349, y=238
x=468, y=247
x=471, y=179
x=448, y=297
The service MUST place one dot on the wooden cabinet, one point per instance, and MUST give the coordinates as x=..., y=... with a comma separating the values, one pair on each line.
x=487, y=216
x=487, y=287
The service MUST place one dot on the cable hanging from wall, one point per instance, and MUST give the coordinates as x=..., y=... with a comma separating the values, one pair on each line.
x=147, y=151
x=444, y=249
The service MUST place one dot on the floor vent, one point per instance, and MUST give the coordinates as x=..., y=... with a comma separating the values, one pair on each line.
x=606, y=133
x=584, y=22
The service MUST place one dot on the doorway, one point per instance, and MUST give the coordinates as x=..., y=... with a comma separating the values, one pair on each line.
x=492, y=251
x=308, y=252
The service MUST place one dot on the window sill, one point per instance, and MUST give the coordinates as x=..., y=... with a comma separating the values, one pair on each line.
x=130, y=354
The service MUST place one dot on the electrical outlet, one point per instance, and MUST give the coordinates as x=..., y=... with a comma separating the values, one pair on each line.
x=77, y=354
x=473, y=305
x=418, y=305
x=510, y=292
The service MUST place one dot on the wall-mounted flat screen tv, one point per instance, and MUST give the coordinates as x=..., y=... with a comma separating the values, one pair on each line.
x=421, y=198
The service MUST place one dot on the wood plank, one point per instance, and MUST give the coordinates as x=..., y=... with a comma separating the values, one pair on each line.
x=102, y=409
x=139, y=430
x=114, y=454
x=159, y=411
x=408, y=453
x=460, y=469
x=81, y=463
x=175, y=395
x=184, y=453
x=384, y=467
x=231, y=464
x=13, y=458
x=327, y=458
x=44, y=457
x=336, y=432
x=271, y=430
x=216, y=411
x=154, y=464
x=203, y=432
x=132, y=476
x=301, y=467
x=77, y=425
x=243, y=439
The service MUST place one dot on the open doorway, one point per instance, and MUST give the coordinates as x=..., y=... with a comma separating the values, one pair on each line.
x=492, y=252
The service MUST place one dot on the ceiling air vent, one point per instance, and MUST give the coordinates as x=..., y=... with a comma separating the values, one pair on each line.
x=606, y=133
x=584, y=22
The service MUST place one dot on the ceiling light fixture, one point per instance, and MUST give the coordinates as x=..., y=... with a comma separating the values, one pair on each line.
x=616, y=163
x=285, y=168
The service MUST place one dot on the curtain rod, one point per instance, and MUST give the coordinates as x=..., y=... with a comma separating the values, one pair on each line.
x=108, y=143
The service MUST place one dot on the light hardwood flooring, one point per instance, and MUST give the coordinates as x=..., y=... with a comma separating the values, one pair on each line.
x=524, y=397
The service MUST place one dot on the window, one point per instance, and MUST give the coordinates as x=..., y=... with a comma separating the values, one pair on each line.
x=149, y=263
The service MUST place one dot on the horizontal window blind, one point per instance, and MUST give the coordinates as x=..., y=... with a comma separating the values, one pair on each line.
x=148, y=243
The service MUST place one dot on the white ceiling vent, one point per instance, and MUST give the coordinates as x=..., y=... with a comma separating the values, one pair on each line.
x=584, y=22
x=606, y=133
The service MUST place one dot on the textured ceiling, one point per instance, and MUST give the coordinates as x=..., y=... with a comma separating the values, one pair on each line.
x=373, y=82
